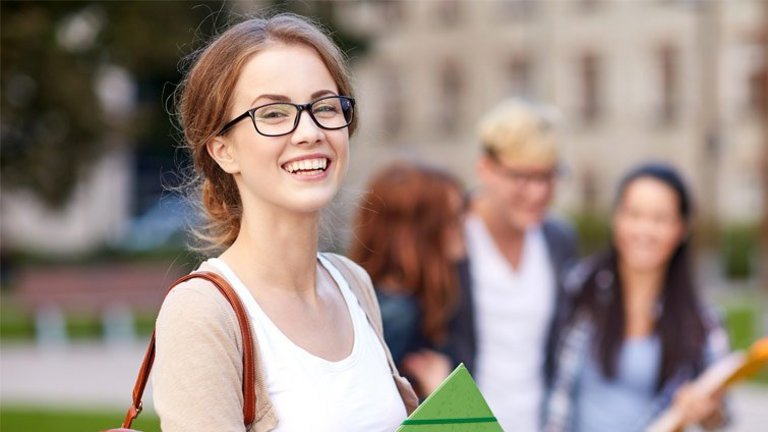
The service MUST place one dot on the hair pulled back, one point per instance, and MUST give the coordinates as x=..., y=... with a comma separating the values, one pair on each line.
x=205, y=100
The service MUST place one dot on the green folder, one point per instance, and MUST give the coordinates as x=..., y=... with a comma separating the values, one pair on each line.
x=456, y=406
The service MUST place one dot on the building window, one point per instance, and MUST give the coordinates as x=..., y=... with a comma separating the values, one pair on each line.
x=519, y=77
x=510, y=10
x=669, y=85
x=758, y=90
x=591, y=98
x=448, y=12
x=391, y=11
x=589, y=5
x=451, y=89
x=391, y=101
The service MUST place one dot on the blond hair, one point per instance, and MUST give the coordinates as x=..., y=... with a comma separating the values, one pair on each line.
x=205, y=99
x=520, y=131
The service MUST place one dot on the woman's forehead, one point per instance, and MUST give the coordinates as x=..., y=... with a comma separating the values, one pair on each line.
x=294, y=72
x=650, y=192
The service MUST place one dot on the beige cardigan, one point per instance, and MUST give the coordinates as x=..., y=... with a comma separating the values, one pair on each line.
x=198, y=369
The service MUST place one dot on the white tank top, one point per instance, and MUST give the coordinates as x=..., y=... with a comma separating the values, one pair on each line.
x=310, y=393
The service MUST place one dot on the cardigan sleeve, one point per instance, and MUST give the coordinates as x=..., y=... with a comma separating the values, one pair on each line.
x=197, y=378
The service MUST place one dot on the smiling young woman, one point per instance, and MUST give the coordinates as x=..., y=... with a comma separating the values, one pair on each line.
x=637, y=330
x=265, y=171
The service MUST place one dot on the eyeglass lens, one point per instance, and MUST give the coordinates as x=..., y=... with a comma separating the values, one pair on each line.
x=281, y=118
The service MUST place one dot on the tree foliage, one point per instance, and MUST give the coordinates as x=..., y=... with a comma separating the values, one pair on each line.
x=53, y=125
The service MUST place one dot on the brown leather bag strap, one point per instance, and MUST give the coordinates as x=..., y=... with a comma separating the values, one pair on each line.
x=249, y=367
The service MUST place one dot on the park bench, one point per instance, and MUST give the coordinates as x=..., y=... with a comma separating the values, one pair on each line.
x=114, y=291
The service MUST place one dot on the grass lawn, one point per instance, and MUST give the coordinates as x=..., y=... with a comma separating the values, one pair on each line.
x=17, y=324
x=743, y=322
x=40, y=419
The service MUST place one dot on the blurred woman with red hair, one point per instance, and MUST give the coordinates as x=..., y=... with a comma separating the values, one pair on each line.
x=408, y=236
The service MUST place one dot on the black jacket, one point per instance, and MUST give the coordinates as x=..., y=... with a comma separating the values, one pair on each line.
x=562, y=248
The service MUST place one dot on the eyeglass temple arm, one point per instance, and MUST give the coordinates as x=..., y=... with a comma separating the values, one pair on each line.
x=233, y=122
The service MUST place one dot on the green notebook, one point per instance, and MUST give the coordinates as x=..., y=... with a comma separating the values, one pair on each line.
x=456, y=406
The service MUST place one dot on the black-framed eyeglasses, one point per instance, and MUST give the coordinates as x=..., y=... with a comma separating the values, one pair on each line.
x=281, y=118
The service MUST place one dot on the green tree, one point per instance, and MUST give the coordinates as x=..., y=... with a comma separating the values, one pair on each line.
x=53, y=125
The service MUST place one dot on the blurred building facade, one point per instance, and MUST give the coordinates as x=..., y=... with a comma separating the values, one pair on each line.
x=677, y=80
x=669, y=80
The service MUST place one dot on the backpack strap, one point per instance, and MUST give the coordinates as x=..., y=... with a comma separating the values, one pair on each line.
x=249, y=369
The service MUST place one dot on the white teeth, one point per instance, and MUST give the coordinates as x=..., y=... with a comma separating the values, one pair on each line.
x=306, y=165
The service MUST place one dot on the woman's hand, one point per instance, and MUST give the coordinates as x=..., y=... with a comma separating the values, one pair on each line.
x=428, y=368
x=698, y=407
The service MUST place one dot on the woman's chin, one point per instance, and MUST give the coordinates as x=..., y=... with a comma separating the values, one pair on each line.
x=644, y=264
x=312, y=203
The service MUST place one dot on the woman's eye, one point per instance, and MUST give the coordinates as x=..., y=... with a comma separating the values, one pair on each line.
x=272, y=114
x=275, y=112
x=326, y=109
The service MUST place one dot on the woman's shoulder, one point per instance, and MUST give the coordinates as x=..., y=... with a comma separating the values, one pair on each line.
x=343, y=260
x=579, y=274
x=711, y=315
x=347, y=266
x=358, y=280
x=197, y=301
x=716, y=343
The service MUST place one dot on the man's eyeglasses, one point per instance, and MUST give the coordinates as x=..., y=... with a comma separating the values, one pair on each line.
x=526, y=176
x=281, y=118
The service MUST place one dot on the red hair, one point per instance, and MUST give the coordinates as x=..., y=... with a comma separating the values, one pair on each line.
x=401, y=237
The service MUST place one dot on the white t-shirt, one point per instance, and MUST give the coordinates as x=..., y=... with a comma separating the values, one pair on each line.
x=310, y=393
x=513, y=308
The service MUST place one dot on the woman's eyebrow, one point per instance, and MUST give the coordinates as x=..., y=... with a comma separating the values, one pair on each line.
x=283, y=98
x=320, y=93
x=273, y=97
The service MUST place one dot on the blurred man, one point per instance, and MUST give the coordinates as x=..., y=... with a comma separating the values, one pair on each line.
x=517, y=258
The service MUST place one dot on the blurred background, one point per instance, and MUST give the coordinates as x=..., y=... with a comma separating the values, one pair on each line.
x=92, y=229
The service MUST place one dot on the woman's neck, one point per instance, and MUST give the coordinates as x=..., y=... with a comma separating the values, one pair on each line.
x=508, y=238
x=641, y=290
x=279, y=250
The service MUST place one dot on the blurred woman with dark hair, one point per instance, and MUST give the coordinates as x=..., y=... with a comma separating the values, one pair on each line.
x=409, y=238
x=637, y=331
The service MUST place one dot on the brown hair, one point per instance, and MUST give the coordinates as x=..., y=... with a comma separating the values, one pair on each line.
x=400, y=232
x=205, y=98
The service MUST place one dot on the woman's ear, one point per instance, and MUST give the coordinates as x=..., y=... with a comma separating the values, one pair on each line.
x=222, y=151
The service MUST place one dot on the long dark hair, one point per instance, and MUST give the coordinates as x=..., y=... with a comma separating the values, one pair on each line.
x=679, y=322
